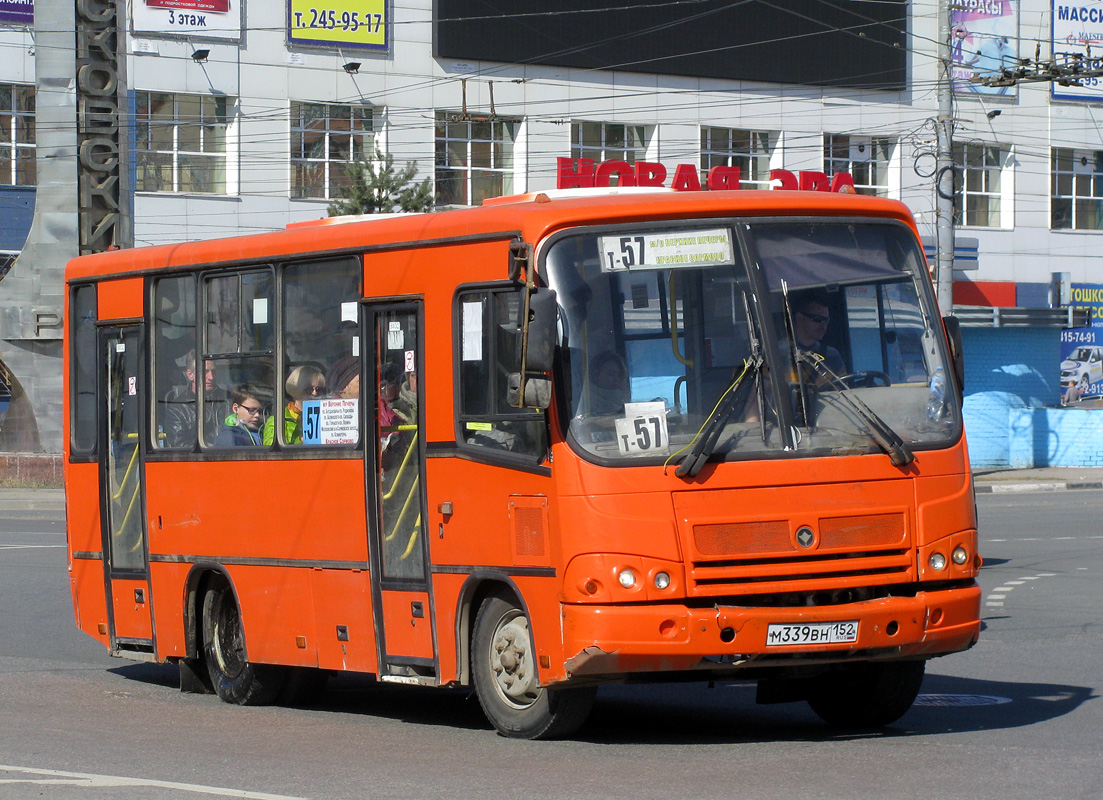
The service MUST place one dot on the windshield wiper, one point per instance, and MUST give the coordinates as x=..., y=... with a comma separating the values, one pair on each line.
x=709, y=433
x=886, y=438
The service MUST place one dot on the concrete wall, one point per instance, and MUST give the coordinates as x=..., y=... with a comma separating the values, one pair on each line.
x=1056, y=437
x=1006, y=370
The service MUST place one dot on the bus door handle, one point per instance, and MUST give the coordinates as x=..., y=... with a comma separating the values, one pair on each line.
x=417, y=609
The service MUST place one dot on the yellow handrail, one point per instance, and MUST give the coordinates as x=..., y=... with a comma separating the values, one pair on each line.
x=674, y=322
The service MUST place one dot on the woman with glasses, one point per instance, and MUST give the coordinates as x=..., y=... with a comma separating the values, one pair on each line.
x=306, y=382
x=242, y=425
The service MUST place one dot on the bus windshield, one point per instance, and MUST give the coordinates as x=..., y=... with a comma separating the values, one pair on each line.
x=772, y=337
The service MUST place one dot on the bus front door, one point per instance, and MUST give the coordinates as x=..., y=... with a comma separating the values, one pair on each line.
x=399, y=553
x=126, y=552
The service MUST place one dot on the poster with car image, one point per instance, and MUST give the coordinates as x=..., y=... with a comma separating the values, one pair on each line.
x=1082, y=348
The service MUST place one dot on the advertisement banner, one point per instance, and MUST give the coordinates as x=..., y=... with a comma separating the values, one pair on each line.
x=195, y=19
x=1076, y=28
x=1082, y=348
x=984, y=38
x=338, y=23
x=17, y=12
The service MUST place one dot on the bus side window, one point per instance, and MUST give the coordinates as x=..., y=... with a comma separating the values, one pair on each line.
x=173, y=348
x=320, y=336
x=82, y=332
x=238, y=345
x=487, y=353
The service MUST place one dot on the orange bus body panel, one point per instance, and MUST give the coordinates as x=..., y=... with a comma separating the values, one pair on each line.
x=122, y=299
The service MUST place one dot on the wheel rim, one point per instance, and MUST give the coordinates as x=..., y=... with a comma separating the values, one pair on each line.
x=511, y=661
x=229, y=645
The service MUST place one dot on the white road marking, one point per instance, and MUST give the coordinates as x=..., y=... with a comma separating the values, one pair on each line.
x=58, y=777
x=997, y=595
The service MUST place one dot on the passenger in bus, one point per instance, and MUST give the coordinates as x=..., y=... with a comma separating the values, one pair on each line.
x=609, y=389
x=242, y=426
x=305, y=382
x=392, y=413
x=811, y=316
x=343, y=379
x=180, y=413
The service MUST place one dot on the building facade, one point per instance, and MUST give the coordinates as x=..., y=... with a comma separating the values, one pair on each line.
x=239, y=117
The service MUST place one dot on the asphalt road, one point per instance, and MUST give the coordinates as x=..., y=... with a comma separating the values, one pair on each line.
x=1016, y=717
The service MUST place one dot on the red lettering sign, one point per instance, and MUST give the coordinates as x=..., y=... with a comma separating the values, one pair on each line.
x=583, y=173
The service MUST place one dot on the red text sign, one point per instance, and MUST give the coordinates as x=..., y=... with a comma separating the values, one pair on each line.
x=583, y=173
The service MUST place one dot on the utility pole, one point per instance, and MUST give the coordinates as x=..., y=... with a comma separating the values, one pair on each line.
x=944, y=165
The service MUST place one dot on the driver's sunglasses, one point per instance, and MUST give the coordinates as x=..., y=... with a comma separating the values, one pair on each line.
x=819, y=319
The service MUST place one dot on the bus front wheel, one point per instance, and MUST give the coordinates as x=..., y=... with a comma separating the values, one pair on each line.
x=867, y=695
x=234, y=679
x=503, y=663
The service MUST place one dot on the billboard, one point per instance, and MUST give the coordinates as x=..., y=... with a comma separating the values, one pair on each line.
x=813, y=42
x=1075, y=29
x=194, y=19
x=338, y=23
x=1082, y=348
x=17, y=12
x=984, y=38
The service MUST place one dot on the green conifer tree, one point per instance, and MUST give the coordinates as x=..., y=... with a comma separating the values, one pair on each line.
x=378, y=187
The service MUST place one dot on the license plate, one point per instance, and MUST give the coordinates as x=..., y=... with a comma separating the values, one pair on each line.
x=812, y=633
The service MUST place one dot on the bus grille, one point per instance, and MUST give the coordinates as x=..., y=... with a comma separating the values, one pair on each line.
x=776, y=556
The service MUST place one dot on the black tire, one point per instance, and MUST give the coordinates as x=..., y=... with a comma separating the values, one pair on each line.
x=503, y=665
x=867, y=695
x=233, y=679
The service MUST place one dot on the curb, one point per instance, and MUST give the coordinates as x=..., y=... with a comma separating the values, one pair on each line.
x=1038, y=486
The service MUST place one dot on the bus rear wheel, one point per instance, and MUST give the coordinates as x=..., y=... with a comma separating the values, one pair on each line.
x=233, y=679
x=867, y=695
x=503, y=664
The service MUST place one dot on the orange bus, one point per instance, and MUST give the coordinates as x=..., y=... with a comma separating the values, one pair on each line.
x=552, y=442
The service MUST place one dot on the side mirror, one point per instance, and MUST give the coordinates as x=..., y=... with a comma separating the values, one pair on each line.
x=541, y=331
x=529, y=388
x=957, y=353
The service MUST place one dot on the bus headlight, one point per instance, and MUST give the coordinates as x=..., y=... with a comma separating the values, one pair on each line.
x=959, y=556
x=662, y=580
x=937, y=562
x=626, y=578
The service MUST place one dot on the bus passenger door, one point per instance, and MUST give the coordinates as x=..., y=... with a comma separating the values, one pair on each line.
x=126, y=552
x=399, y=553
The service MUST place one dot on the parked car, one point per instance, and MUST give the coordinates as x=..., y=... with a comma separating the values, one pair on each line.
x=1084, y=365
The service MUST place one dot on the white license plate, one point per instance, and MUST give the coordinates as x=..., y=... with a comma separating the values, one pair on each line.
x=778, y=635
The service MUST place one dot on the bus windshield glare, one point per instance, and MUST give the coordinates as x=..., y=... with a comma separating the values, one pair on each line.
x=788, y=337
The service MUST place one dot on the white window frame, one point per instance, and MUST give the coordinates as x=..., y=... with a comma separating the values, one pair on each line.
x=216, y=131
x=980, y=197
x=751, y=151
x=858, y=155
x=361, y=145
x=1082, y=171
x=478, y=152
x=17, y=136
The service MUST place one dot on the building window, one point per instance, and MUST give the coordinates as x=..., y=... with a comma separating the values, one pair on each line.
x=181, y=142
x=17, y=153
x=608, y=141
x=730, y=147
x=1077, y=189
x=866, y=158
x=325, y=139
x=474, y=158
x=977, y=202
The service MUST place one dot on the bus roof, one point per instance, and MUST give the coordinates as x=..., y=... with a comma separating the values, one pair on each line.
x=531, y=216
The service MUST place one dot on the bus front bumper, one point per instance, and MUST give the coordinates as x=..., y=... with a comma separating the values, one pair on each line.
x=608, y=640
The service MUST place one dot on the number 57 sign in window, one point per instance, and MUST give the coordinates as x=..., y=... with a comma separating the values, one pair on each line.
x=643, y=430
